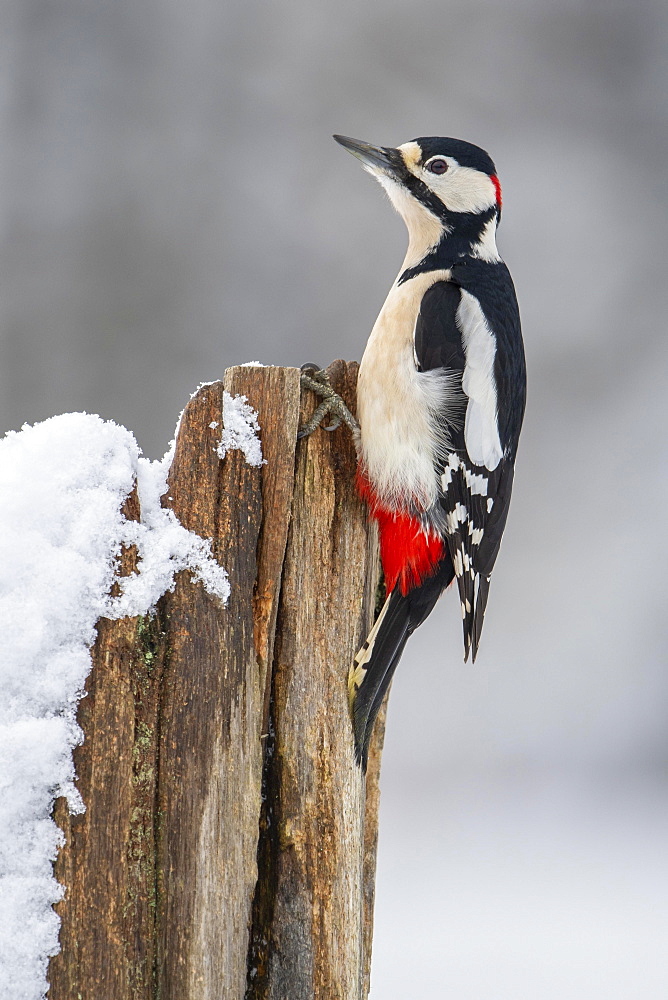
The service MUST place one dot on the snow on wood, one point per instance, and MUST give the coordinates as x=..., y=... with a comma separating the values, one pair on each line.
x=213, y=748
x=240, y=429
x=63, y=483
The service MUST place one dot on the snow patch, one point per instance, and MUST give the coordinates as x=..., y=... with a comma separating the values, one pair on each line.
x=240, y=429
x=202, y=385
x=164, y=547
x=63, y=483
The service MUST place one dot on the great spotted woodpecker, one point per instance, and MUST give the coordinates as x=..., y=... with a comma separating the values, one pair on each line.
x=440, y=400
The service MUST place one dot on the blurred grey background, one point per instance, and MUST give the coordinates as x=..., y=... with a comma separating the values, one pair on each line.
x=172, y=203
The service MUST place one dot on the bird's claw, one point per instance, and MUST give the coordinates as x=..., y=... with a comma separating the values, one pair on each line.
x=317, y=380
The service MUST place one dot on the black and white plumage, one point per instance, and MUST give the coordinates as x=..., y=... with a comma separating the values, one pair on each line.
x=441, y=396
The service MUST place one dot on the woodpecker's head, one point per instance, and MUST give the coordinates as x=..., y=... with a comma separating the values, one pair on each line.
x=440, y=187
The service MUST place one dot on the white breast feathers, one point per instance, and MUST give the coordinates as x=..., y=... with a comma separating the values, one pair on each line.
x=403, y=412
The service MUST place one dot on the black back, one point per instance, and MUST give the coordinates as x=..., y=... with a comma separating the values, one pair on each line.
x=474, y=541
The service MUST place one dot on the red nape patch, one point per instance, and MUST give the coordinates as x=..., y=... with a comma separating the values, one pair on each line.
x=408, y=555
x=497, y=187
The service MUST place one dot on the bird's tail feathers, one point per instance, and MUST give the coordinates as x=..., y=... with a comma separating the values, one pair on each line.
x=373, y=667
x=473, y=593
x=479, y=615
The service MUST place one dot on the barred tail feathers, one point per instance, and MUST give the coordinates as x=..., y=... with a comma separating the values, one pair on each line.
x=373, y=667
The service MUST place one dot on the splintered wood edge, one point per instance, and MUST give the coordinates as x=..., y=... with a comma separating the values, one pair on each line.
x=198, y=486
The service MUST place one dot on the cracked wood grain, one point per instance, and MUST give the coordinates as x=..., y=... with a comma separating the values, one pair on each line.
x=228, y=843
x=313, y=912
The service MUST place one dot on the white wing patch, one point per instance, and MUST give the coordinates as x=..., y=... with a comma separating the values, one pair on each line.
x=481, y=431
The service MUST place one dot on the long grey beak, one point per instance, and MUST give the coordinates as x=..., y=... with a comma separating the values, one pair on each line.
x=375, y=157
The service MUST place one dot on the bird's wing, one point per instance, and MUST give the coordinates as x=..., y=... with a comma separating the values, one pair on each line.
x=475, y=502
x=474, y=476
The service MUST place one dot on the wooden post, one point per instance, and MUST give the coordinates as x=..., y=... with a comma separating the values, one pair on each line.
x=228, y=844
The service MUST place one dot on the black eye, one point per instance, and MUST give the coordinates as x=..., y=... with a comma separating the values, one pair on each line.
x=437, y=166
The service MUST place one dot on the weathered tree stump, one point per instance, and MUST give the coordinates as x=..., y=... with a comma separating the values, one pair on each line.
x=228, y=844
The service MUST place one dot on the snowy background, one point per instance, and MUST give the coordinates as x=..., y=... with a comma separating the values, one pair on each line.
x=171, y=203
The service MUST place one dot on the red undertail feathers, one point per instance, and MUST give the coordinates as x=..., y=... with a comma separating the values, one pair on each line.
x=408, y=555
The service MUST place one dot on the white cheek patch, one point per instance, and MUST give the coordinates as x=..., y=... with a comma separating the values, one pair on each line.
x=481, y=431
x=462, y=189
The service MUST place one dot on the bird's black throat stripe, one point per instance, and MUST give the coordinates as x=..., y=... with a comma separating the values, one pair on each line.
x=452, y=248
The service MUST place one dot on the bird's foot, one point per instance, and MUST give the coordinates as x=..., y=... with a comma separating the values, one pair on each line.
x=317, y=380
